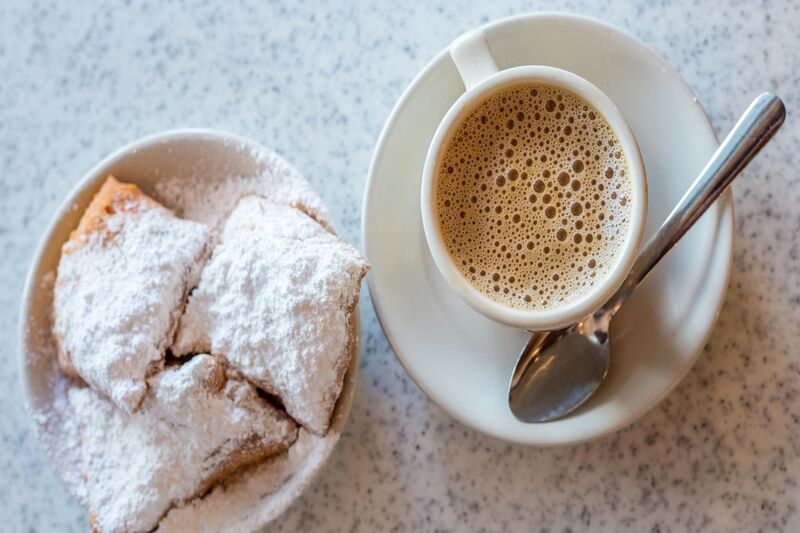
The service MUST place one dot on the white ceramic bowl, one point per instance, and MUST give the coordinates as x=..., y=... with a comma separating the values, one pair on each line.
x=195, y=156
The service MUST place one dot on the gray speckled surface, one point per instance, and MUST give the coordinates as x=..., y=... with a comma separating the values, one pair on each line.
x=315, y=82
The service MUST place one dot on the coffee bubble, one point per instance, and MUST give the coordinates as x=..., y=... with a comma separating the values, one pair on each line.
x=532, y=197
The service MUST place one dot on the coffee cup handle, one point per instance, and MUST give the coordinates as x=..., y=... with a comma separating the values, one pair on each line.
x=472, y=58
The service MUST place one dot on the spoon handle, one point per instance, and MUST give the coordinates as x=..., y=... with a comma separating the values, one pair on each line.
x=756, y=126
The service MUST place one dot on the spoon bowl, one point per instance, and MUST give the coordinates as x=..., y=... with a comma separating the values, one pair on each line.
x=575, y=363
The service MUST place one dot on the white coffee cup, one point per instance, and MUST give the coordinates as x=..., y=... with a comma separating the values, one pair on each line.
x=481, y=77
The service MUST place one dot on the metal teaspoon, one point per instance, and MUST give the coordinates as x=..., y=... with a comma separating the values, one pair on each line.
x=559, y=370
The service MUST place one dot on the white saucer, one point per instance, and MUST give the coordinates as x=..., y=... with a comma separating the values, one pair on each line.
x=461, y=359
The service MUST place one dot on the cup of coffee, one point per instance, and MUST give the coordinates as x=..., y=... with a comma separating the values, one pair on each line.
x=534, y=196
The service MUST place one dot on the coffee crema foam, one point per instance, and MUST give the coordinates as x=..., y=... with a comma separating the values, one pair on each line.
x=533, y=197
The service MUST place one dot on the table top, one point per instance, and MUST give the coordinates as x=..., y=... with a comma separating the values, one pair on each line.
x=316, y=84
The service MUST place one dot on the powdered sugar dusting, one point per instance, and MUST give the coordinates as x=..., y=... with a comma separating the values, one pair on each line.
x=194, y=426
x=211, y=201
x=54, y=424
x=276, y=483
x=119, y=291
x=58, y=432
x=276, y=300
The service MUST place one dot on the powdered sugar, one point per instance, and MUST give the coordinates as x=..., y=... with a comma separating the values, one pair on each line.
x=276, y=300
x=275, y=482
x=194, y=427
x=58, y=432
x=211, y=201
x=119, y=291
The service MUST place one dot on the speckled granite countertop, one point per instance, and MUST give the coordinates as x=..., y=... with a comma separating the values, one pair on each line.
x=722, y=452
